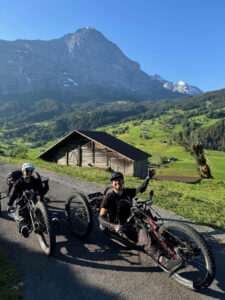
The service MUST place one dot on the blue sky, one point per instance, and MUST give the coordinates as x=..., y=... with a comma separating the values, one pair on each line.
x=179, y=40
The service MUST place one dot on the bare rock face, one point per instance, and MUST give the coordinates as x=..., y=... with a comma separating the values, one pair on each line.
x=84, y=64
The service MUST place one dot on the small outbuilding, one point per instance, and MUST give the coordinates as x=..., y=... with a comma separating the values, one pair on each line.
x=98, y=149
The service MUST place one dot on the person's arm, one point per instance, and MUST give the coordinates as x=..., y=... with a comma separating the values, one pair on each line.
x=13, y=194
x=142, y=187
x=104, y=221
x=110, y=226
x=41, y=187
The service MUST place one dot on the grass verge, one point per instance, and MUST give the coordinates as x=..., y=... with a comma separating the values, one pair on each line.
x=202, y=203
x=10, y=284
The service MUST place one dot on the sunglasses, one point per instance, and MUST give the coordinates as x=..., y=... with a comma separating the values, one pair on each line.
x=29, y=171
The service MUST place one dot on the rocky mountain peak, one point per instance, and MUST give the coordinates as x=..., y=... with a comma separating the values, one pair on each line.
x=84, y=63
x=82, y=38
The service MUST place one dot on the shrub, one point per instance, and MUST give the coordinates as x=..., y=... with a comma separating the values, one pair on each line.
x=19, y=152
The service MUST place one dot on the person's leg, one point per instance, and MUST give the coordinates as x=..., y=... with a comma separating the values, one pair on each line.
x=131, y=235
x=153, y=249
x=150, y=247
x=23, y=220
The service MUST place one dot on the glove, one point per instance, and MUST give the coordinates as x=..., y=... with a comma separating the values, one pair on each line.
x=9, y=209
x=151, y=172
x=120, y=228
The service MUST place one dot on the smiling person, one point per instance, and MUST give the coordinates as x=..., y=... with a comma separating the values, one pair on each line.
x=115, y=211
x=117, y=203
x=26, y=182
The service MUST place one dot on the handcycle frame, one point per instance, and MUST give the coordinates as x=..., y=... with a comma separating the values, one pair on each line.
x=176, y=239
x=27, y=197
x=33, y=202
x=95, y=200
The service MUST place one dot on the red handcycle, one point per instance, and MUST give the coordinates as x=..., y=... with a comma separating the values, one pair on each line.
x=176, y=239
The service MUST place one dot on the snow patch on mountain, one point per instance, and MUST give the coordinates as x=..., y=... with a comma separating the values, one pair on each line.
x=180, y=86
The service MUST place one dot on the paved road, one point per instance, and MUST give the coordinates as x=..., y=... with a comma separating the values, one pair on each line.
x=96, y=268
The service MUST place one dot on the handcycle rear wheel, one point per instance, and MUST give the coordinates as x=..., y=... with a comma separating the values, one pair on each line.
x=198, y=270
x=79, y=215
x=44, y=230
x=108, y=189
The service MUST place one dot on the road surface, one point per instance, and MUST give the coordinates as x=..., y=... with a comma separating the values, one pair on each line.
x=97, y=268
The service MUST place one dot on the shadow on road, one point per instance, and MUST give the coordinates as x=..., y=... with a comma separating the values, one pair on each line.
x=47, y=278
x=77, y=252
x=107, y=255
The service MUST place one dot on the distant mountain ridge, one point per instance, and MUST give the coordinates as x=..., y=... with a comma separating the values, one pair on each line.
x=83, y=66
x=179, y=86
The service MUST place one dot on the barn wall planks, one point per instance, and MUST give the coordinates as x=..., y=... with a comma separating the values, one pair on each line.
x=88, y=153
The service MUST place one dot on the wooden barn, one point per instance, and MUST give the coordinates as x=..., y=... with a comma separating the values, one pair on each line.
x=98, y=149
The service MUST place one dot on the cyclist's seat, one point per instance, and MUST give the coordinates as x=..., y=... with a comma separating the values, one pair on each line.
x=141, y=201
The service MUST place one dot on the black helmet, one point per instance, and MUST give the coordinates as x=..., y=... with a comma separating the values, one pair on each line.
x=116, y=175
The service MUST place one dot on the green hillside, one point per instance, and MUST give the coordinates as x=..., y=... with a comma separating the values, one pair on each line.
x=164, y=129
x=166, y=136
x=155, y=138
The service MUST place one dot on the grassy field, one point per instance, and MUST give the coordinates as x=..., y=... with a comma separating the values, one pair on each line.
x=157, y=138
x=10, y=286
x=159, y=142
x=216, y=162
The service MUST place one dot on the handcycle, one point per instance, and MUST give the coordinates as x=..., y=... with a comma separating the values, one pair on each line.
x=38, y=219
x=79, y=210
x=176, y=239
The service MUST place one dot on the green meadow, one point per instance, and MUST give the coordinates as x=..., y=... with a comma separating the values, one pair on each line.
x=10, y=282
x=216, y=162
x=157, y=139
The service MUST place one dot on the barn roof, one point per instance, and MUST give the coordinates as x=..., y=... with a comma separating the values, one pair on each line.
x=105, y=139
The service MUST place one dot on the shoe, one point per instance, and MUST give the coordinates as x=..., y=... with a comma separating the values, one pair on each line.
x=24, y=231
x=23, y=228
x=171, y=265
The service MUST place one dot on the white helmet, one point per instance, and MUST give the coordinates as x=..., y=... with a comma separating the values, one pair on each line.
x=28, y=166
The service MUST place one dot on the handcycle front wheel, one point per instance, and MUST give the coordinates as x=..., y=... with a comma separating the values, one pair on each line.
x=79, y=215
x=44, y=230
x=198, y=270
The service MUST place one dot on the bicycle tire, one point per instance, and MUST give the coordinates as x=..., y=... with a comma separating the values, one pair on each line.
x=45, y=231
x=199, y=272
x=79, y=215
x=108, y=189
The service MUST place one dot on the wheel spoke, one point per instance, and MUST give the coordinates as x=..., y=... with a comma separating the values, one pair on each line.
x=79, y=215
x=198, y=270
x=45, y=232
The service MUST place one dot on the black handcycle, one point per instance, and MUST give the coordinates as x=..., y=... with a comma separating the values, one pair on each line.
x=38, y=219
x=176, y=239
